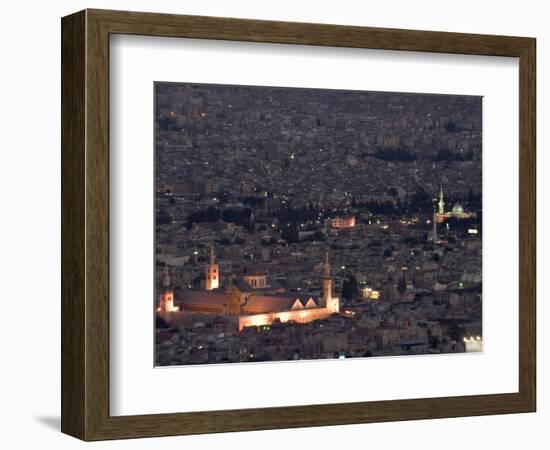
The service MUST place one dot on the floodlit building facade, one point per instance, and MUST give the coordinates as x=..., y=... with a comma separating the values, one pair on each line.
x=244, y=300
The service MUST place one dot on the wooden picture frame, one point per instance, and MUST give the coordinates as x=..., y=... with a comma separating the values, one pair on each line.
x=85, y=224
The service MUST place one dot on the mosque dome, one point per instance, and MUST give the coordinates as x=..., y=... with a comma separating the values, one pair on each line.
x=458, y=209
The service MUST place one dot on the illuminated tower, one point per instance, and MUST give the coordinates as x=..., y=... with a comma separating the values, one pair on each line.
x=329, y=301
x=327, y=280
x=434, y=224
x=441, y=202
x=166, y=301
x=212, y=272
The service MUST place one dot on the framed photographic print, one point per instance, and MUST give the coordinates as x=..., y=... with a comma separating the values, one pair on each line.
x=272, y=225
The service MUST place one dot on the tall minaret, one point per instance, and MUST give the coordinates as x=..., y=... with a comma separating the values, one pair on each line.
x=329, y=302
x=327, y=281
x=441, y=202
x=434, y=224
x=212, y=272
x=166, y=280
x=166, y=301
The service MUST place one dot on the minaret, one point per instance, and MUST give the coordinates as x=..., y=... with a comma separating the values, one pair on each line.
x=212, y=272
x=166, y=280
x=434, y=224
x=328, y=301
x=441, y=202
x=166, y=300
x=327, y=280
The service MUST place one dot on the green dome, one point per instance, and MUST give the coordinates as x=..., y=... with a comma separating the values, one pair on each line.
x=458, y=209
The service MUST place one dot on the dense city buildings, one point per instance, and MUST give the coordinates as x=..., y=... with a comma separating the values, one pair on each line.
x=308, y=223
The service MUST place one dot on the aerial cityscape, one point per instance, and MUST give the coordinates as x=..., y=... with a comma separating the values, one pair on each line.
x=300, y=224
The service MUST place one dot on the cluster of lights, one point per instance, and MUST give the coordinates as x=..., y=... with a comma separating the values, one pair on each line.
x=472, y=339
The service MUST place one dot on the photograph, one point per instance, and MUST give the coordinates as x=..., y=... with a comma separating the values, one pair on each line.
x=306, y=224
x=275, y=225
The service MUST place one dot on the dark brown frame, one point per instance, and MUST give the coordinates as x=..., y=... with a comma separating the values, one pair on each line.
x=85, y=224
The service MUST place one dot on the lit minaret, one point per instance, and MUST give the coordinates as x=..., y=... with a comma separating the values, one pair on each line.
x=212, y=272
x=166, y=301
x=434, y=224
x=329, y=302
x=327, y=280
x=441, y=202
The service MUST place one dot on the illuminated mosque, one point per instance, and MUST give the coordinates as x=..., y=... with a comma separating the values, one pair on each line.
x=441, y=216
x=247, y=301
x=457, y=211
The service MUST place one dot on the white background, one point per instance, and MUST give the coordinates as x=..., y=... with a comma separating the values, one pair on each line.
x=30, y=229
x=138, y=388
